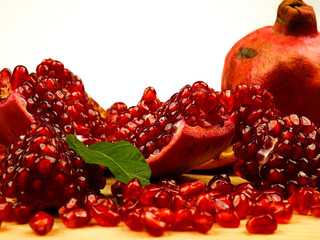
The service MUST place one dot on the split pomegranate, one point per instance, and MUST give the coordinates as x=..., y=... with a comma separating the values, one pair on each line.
x=40, y=171
x=54, y=95
x=192, y=127
x=247, y=106
x=283, y=58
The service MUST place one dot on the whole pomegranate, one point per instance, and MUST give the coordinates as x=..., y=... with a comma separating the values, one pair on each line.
x=284, y=58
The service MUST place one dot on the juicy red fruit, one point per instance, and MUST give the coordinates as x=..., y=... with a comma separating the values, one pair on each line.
x=40, y=170
x=192, y=127
x=54, y=95
x=41, y=223
x=262, y=224
x=105, y=212
x=76, y=218
x=227, y=219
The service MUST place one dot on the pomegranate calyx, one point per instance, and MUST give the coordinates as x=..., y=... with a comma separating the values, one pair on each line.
x=296, y=18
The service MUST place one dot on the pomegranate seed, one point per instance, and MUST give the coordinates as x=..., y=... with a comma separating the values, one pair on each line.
x=73, y=203
x=192, y=189
x=182, y=220
x=91, y=199
x=262, y=224
x=41, y=223
x=315, y=210
x=227, y=219
x=202, y=221
x=76, y=218
x=148, y=194
x=220, y=185
x=240, y=205
x=177, y=203
x=281, y=211
x=166, y=215
x=133, y=189
x=6, y=212
x=301, y=200
x=153, y=224
x=117, y=189
x=162, y=199
x=133, y=219
x=105, y=213
x=203, y=202
x=127, y=206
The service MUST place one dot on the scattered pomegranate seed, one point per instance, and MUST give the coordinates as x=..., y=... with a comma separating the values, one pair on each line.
x=76, y=218
x=202, y=221
x=281, y=211
x=227, y=219
x=41, y=223
x=104, y=211
x=262, y=224
x=153, y=225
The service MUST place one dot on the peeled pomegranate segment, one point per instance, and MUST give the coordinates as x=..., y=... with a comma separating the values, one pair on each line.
x=14, y=120
x=40, y=171
x=54, y=95
x=283, y=58
x=247, y=106
x=175, y=136
x=281, y=154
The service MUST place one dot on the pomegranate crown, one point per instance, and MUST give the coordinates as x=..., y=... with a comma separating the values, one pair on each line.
x=296, y=18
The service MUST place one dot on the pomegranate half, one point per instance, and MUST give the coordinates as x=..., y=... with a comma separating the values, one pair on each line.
x=176, y=136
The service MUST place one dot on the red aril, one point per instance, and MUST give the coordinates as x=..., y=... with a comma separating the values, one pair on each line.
x=76, y=218
x=133, y=219
x=262, y=224
x=41, y=223
x=202, y=221
x=182, y=220
x=153, y=225
x=132, y=190
x=227, y=219
x=281, y=211
x=192, y=189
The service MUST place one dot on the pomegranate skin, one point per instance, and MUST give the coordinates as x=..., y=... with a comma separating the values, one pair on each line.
x=190, y=143
x=284, y=58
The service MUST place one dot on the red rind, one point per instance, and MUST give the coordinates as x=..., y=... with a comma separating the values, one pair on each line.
x=191, y=146
x=284, y=58
x=13, y=113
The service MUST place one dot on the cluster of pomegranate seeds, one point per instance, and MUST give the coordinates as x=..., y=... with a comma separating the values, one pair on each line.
x=280, y=154
x=40, y=171
x=306, y=200
x=151, y=124
x=57, y=96
x=196, y=206
x=77, y=213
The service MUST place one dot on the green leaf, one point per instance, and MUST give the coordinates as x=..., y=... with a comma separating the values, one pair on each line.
x=123, y=159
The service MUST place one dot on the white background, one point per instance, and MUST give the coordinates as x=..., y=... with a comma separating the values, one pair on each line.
x=120, y=47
